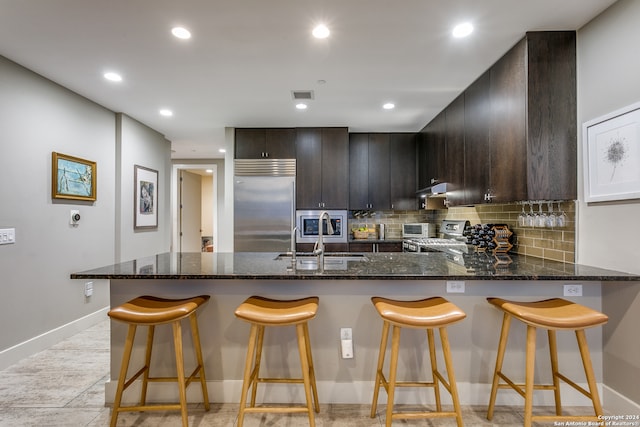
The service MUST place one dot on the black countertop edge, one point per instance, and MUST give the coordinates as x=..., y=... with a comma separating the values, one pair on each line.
x=389, y=266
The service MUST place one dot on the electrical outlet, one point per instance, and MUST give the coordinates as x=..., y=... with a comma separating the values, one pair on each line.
x=572, y=290
x=346, y=343
x=455, y=286
x=88, y=289
x=346, y=334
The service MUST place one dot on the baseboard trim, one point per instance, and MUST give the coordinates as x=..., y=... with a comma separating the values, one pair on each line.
x=357, y=392
x=618, y=404
x=13, y=355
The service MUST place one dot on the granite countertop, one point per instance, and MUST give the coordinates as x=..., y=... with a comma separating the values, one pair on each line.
x=350, y=266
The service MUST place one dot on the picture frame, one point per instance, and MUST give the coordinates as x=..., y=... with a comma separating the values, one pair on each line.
x=145, y=200
x=611, y=154
x=73, y=178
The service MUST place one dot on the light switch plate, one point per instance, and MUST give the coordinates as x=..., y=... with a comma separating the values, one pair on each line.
x=7, y=236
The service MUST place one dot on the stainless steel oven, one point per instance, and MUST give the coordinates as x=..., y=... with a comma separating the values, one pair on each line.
x=307, y=224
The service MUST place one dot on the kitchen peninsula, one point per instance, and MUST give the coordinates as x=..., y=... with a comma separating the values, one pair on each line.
x=345, y=287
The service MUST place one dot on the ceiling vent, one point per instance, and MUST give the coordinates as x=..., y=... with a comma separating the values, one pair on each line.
x=302, y=95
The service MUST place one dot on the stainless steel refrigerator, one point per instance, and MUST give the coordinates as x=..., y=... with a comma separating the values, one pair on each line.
x=264, y=204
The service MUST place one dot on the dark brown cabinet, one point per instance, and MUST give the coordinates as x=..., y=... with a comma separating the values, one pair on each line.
x=369, y=171
x=511, y=135
x=402, y=171
x=375, y=247
x=322, y=168
x=432, y=152
x=259, y=143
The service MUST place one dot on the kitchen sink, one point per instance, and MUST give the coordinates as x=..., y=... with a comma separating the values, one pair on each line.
x=332, y=260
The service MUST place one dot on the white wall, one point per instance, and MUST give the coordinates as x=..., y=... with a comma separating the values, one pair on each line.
x=36, y=118
x=140, y=145
x=39, y=303
x=608, y=70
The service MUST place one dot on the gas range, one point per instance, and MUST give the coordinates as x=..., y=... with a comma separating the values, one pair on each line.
x=452, y=241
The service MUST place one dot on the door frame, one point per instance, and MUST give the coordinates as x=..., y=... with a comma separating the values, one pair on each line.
x=175, y=211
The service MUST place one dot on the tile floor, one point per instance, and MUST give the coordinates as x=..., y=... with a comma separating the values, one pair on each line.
x=64, y=386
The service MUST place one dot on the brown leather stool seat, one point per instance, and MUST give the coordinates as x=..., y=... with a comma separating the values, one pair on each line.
x=261, y=312
x=431, y=313
x=151, y=311
x=550, y=314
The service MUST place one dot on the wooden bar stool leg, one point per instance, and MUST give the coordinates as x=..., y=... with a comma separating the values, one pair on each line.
x=147, y=365
x=588, y=370
x=381, y=354
x=177, y=342
x=256, y=365
x=434, y=368
x=248, y=367
x=553, y=352
x=312, y=372
x=529, y=377
x=453, y=388
x=124, y=367
x=502, y=346
x=195, y=334
x=393, y=367
x=304, y=362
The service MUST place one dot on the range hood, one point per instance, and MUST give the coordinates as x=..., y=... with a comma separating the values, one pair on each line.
x=439, y=189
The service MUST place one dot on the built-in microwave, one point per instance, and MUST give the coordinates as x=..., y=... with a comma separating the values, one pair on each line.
x=307, y=224
x=417, y=230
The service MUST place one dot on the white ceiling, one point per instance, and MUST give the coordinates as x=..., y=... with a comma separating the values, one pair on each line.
x=246, y=56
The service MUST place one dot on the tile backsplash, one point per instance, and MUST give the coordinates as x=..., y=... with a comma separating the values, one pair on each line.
x=556, y=243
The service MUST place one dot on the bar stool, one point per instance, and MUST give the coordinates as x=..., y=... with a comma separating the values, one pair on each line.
x=429, y=314
x=551, y=314
x=261, y=312
x=151, y=311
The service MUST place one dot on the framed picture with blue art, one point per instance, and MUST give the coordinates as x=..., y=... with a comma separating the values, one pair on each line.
x=145, y=198
x=612, y=156
x=72, y=178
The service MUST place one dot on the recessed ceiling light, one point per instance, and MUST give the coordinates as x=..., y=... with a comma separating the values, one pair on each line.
x=114, y=77
x=462, y=30
x=181, y=33
x=321, y=32
x=301, y=106
x=389, y=106
x=166, y=113
x=222, y=150
x=209, y=170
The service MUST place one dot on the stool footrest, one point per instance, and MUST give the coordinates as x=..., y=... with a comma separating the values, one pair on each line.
x=421, y=415
x=281, y=380
x=276, y=409
x=158, y=407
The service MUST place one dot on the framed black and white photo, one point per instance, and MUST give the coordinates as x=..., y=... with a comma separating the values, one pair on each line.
x=612, y=156
x=145, y=198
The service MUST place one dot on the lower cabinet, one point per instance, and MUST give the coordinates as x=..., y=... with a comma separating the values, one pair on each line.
x=375, y=247
x=328, y=247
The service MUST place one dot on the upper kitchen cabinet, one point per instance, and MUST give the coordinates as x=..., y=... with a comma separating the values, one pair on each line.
x=520, y=124
x=272, y=143
x=369, y=171
x=432, y=152
x=455, y=150
x=322, y=168
x=402, y=171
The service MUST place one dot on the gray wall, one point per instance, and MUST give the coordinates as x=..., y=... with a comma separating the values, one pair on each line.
x=608, y=70
x=38, y=301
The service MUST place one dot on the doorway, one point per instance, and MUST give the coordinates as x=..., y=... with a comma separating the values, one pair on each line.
x=193, y=200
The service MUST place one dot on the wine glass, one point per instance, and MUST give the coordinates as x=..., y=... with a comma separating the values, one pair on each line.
x=522, y=217
x=552, y=219
x=531, y=220
x=562, y=218
x=541, y=217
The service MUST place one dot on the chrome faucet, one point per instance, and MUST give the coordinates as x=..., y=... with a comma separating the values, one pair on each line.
x=319, y=246
x=293, y=244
